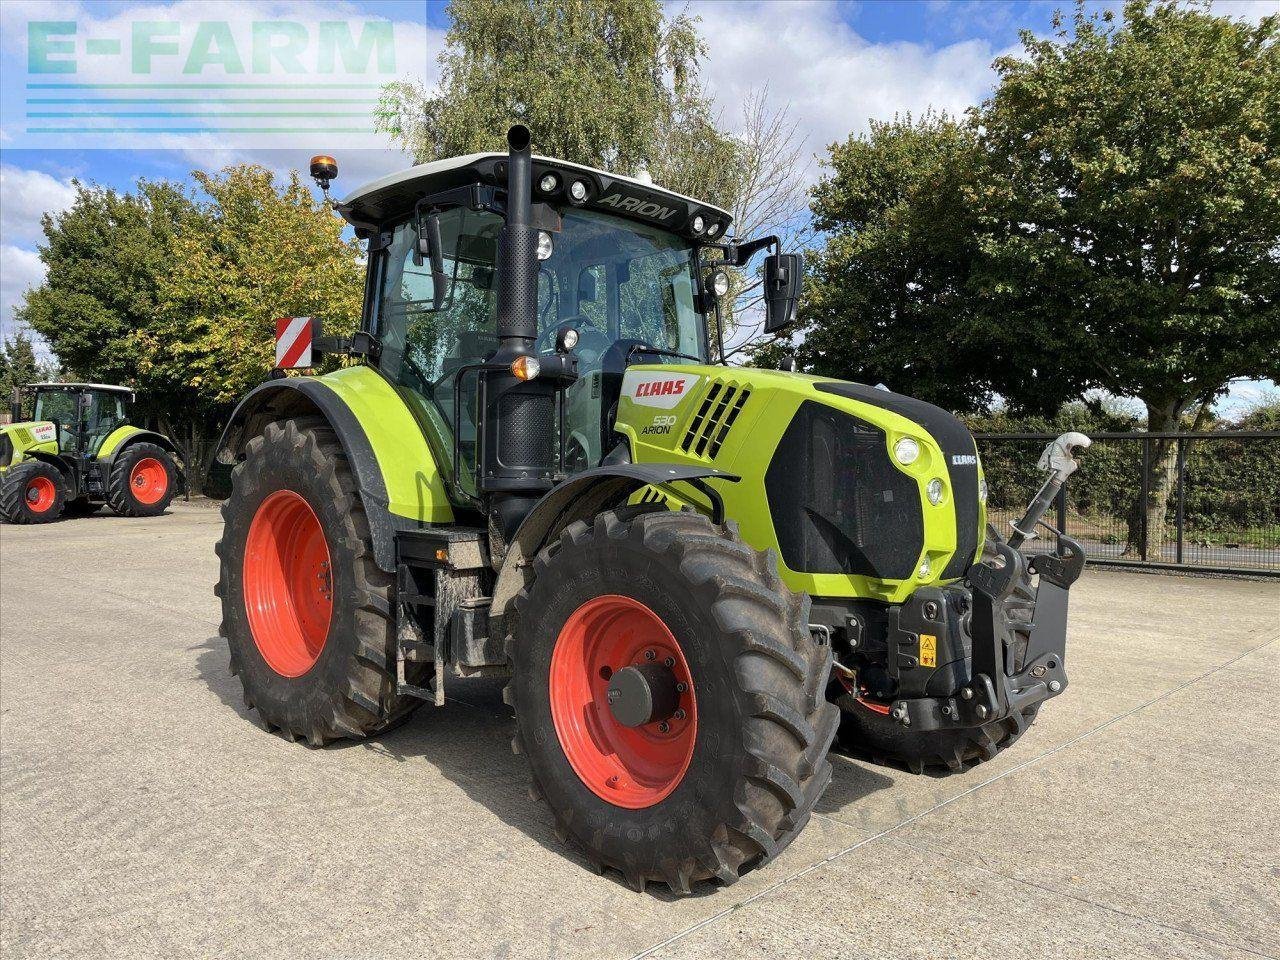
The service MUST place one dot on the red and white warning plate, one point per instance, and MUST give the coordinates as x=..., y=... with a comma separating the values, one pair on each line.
x=294, y=336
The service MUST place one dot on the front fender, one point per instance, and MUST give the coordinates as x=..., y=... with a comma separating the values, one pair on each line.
x=585, y=495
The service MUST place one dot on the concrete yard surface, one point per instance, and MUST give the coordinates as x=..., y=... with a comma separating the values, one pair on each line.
x=144, y=812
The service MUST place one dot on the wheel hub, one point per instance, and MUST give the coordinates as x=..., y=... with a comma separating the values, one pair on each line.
x=645, y=693
x=623, y=701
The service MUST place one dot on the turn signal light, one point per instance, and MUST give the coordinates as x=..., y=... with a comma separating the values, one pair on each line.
x=525, y=368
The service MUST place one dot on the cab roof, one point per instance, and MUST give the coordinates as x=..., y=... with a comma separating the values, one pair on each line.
x=81, y=386
x=393, y=196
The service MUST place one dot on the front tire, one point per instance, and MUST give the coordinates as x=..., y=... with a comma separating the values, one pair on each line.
x=32, y=492
x=142, y=480
x=306, y=612
x=726, y=781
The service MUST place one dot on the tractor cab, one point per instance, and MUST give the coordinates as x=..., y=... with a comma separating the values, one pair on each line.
x=625, y=277
x=84, y=414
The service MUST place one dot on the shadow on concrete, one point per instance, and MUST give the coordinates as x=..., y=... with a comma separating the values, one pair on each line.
x=469, y=742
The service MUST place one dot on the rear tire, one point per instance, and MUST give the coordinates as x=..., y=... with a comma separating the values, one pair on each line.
x=757, y=722
x=32, y=492
x=142, y=480
x=325, y=669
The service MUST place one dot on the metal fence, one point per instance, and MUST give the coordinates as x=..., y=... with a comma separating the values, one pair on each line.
x=1192, y=501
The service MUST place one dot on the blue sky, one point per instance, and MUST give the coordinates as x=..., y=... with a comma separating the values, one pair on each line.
x=837, y=64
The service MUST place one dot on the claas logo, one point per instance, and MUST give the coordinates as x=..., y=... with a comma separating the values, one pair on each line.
x=660, y=388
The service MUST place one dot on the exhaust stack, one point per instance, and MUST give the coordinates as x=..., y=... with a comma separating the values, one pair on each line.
x=518, y=430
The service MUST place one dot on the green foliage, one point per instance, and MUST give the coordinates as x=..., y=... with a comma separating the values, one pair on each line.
x=606, y=84
x=888, y=299
x=175, y=294
x=104, y=258
x=259, y=250
x=19, y=366
x=1109, y=218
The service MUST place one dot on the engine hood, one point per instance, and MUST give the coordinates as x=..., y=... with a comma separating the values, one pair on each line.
x=820, y=482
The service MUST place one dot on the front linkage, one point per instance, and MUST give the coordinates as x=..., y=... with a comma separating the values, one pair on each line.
x=1001, y=680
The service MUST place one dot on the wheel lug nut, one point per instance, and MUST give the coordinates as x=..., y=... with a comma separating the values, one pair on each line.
x=649, y=654
x=679, y=714
x=664, y=727
x=681, y=687
x=670, y=661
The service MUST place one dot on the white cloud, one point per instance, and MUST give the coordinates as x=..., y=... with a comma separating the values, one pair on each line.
x=833, y=80
x=20, y=270
x=25, y=196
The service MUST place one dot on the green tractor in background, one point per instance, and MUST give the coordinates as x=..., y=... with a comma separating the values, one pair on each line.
x=79, y=452
x=693, y=575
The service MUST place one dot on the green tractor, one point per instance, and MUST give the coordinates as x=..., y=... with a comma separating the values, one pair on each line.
x=79, y=452
x=694, y=575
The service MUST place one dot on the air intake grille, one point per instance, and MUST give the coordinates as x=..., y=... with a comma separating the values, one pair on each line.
x=716, y=415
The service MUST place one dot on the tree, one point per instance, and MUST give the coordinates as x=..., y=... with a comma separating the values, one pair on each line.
x=605, y=84
x=103, y=259
x=888, y=299
x=609, y=85
x=174, y=293
x=1109, y=218
x=18, y=364
x=1135, y=172
x=258, y=250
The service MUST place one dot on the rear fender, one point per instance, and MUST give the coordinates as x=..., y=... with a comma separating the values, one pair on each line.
x=125, y=437
x=581, y=498
x=371, y=421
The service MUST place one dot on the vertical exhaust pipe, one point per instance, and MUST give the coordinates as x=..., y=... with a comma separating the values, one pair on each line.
x=518, y=431
x=517, y=318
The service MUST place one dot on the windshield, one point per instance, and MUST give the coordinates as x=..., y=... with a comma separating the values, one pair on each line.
x=620, y=284
x=101, y=413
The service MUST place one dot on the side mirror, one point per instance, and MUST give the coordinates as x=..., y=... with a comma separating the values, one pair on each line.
x=430, y=246
x=783, y=273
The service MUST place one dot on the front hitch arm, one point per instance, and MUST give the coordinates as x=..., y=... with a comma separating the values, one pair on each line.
x=999, y=686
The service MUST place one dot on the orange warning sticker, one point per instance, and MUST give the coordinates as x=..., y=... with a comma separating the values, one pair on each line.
x=928, y=650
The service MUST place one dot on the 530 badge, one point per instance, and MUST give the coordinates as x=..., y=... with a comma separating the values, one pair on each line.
x=660, y=425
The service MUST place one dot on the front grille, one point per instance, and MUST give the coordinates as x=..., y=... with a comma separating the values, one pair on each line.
x=715, y=417
x=958, y=449
x=838, y=503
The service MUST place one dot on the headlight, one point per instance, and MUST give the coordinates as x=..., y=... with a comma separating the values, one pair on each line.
x=578, y=190
x=713, y=230
x=699, y=224
x=906, y=451
x=935, y=491
x=926, y=568
x=982, y=490
x=548, y=183
x=720, y=283
x=545, y=248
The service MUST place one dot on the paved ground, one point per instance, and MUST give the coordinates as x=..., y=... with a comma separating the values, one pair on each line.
x=144, y=814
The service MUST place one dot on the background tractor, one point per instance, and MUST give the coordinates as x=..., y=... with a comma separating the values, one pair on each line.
x=79, y=452
x=693, y=574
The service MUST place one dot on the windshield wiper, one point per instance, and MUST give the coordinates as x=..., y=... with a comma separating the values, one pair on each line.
x=660, y=352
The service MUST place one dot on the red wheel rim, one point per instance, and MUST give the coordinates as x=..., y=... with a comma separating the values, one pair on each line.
x=288, y=583
x=632, y=767
x=149, y=480
x=41, y=494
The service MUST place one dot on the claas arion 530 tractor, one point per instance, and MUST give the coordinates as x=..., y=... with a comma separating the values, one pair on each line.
x=693, y=574
x=80, y=452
